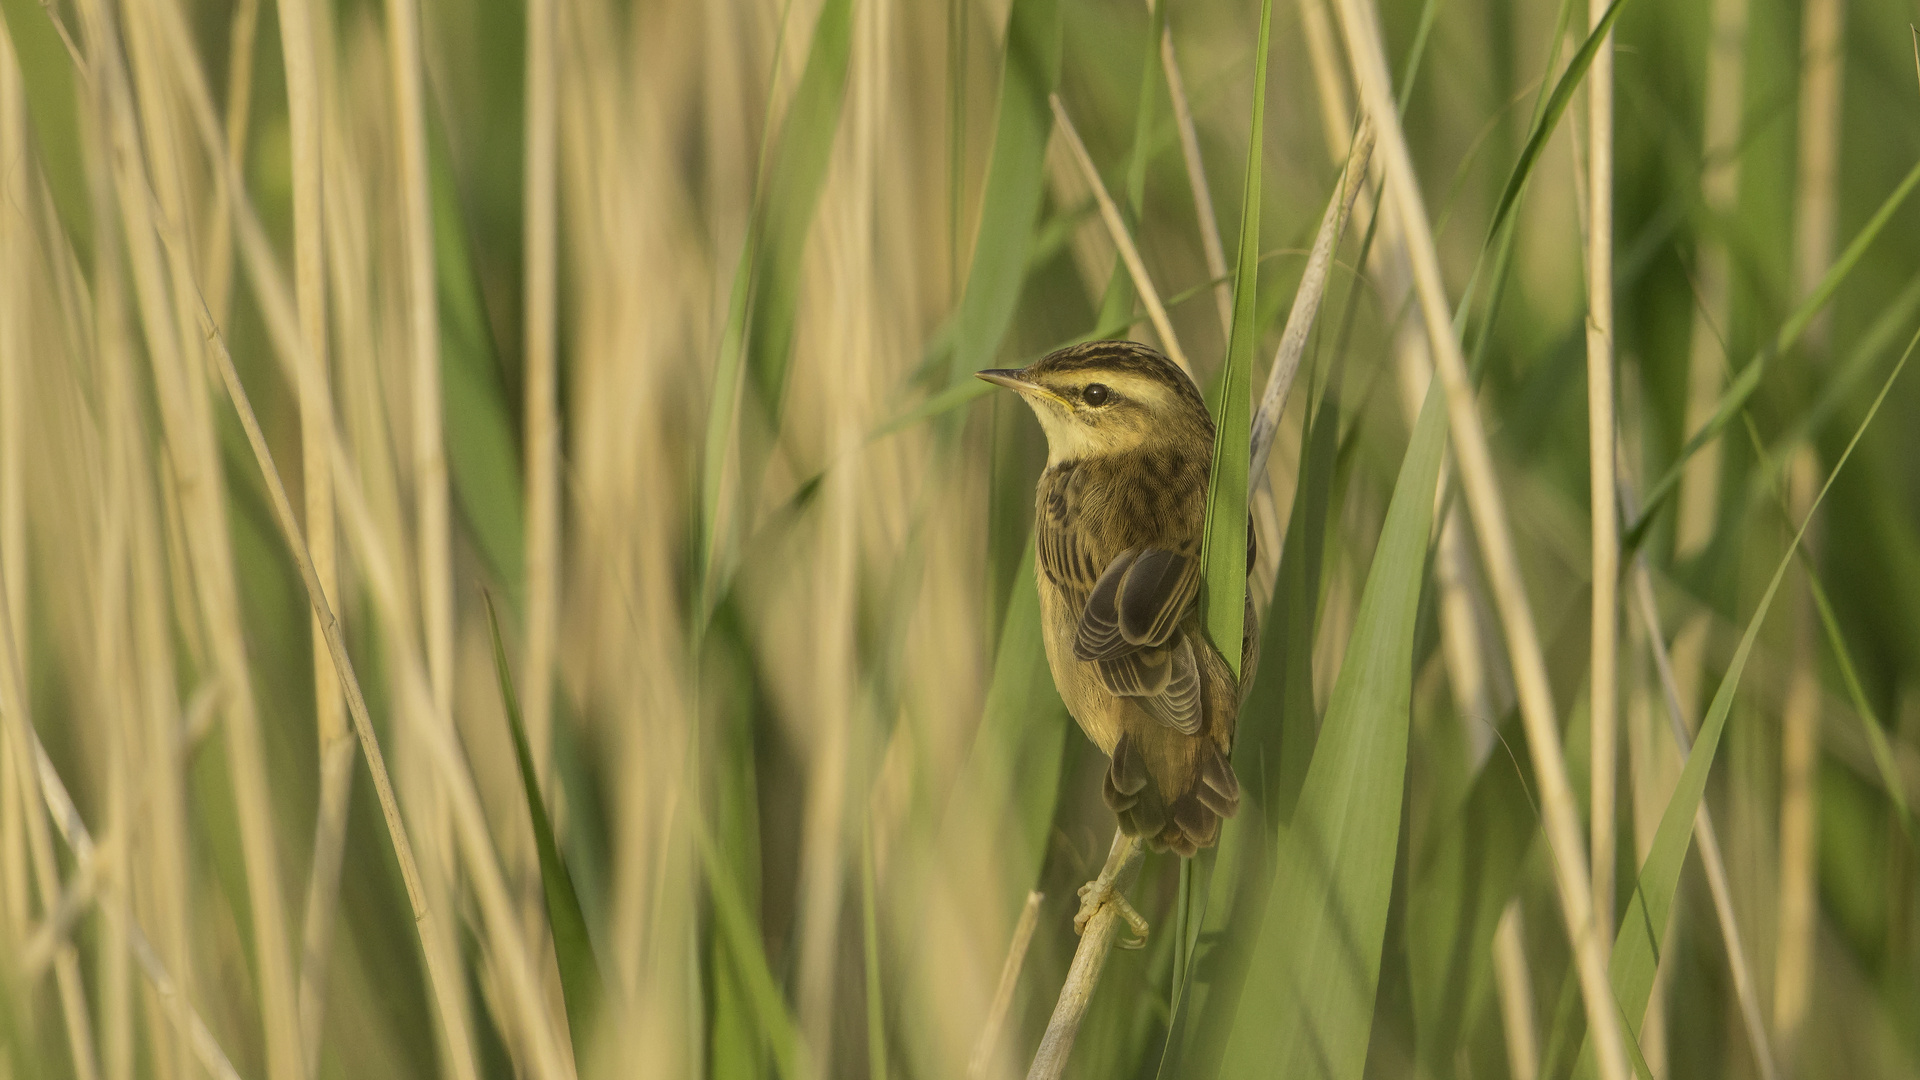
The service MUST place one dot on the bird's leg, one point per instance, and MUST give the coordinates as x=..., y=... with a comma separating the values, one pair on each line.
x=1122, y=858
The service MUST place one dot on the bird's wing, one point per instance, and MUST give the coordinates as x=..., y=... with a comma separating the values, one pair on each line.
x=1136, y=603
x=1164, y=681
x=1100, y=635
x=1158, y=588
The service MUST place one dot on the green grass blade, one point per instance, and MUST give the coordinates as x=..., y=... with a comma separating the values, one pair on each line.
x=757, y=338
x=1307, y=1008
x=47, y=75
x=796, y=175
x=580, y=980
x=1458, y=886
x=1636, y=950
x=1223, y=551
x=1016, y=178
x=1748, y=381
x=1882, y=750
x=870, y=945
x=1010, y=782
x=1549, y=119
x=483, y=448
x=1271, y=750
x=741, y=936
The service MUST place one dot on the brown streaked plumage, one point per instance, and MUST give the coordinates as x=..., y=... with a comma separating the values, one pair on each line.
x=1118, y=519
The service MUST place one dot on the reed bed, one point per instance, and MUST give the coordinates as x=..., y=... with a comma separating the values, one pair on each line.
x=505, y=570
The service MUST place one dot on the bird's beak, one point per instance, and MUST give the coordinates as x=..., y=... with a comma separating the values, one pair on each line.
x=1011, y=378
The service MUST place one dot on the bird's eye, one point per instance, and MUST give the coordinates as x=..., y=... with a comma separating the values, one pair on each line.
x=1095, y=394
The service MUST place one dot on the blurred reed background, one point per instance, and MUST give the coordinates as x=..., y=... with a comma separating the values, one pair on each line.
x=653, y=322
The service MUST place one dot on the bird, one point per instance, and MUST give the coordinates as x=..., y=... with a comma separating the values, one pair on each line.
x=1119, y=517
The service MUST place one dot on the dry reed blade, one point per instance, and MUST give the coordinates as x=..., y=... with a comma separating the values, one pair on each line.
x=59, y=805
x=432, y=522
x=1117, y=229
x=542, y=380
x=1706, y=837
x=1306, y=306
x=1816, y=204
x=981, y=1061
x=1699, y=487
x=15, y=256
x=1488, y=508
x=304, y=56
x=1216, y=255
x=1798, y=918
x=241, y=32
x=1603, y=670
x=544, y=1047
x=476, y=844
x=1515, y=989
x=143, y=201
x=22, y=742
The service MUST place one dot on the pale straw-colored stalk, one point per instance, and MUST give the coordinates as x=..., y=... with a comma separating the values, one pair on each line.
x=1215, y=252
x=1706, y=837
x=1654, y=761
x=16, y=239
x=1478, y=690
x=1699, y=491
x=848, y=245
x=1823, y=57
x=1603, y=673
x=176, y=353
x=1336, y=120
x=1306, y=305
x=1117, y=228
x=305, y=46
x=276, y=305
x=1089, y=244
x=541, y=212
x=218, y=259
x=1484, y=500
x=981, y=1061
x=433, y=561
x=21, y=741
x=59, y=805
x=114, y=693
x=1514, y=986
x=1798, y=910
x=1816, y=201
x=145, y=680
x=1083, y=976
x=541, y=1042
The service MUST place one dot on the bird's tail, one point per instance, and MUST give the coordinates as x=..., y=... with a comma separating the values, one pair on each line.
x=1187, y=822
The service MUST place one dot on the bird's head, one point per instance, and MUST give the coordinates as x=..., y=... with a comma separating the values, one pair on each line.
x=1110, y=397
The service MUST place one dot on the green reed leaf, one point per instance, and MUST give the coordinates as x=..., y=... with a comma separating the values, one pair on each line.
x=1016, y=178
x=1271, y=749
x=757, y=338
x=1307, y=1007
x=1223, y=551
x=1735, y=399
x=1636, y=950
x=1549, y=119
x=580, y=981
x=483, y=447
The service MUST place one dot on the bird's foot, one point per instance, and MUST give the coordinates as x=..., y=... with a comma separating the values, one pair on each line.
x=1099, y=893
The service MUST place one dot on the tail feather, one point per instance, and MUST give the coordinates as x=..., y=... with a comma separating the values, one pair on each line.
x=1184, y=824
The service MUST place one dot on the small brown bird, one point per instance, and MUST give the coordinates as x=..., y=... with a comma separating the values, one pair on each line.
x=1118, y=522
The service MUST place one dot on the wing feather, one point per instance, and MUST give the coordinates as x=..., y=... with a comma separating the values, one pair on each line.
x=1159, y=587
